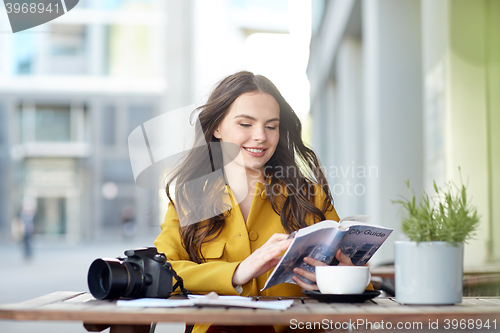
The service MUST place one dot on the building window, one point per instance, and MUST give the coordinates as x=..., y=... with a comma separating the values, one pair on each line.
x=52, y=124
x=24, y=51
x=67, y=49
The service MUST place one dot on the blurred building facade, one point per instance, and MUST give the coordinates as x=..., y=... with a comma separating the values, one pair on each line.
x=71, y=91
x=409, y=90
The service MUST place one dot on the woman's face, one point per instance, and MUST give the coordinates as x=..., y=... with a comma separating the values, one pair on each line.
x=252, y=123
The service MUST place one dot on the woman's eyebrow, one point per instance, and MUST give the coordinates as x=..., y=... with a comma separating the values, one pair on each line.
x=274, y=119
x=252, y=118
x=245, y=116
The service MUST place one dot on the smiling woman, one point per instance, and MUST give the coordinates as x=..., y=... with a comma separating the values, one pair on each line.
x=234, y=204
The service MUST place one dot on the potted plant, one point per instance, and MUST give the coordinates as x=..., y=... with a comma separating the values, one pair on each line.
x=429, y=266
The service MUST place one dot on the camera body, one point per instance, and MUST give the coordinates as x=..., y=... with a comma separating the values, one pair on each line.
x=142, y=273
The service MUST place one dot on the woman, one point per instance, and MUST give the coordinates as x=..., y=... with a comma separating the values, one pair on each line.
x=227, y=238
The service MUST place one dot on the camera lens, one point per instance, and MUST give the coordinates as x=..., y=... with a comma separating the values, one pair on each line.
x=108, y=279
x=104, y=280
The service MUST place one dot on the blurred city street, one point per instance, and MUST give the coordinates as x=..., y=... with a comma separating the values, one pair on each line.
x=56, y=267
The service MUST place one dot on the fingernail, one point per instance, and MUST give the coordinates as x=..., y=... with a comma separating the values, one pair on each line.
x=295, y=270
x=306, y=259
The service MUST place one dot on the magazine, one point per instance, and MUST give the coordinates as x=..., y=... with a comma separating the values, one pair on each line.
x=321, y=241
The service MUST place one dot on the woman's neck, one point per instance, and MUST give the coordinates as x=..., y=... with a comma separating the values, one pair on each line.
x=236, y=176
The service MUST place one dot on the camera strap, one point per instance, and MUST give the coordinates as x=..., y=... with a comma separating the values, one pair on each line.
x=179, y=283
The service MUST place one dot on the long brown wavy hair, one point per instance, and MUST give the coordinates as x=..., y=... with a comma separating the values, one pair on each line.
x=291, y=194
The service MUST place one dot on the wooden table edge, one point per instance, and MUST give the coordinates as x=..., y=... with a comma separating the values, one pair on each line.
x=269, y=317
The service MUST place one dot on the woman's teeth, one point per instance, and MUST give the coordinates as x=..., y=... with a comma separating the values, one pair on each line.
x=254, y=150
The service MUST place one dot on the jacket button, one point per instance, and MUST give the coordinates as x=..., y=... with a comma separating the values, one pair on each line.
x=252, y=235
x=263, y=195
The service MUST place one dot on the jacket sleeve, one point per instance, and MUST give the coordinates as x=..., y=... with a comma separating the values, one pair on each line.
x=214, y=275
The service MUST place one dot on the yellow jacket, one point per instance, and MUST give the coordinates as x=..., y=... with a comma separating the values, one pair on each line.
x=234, y=244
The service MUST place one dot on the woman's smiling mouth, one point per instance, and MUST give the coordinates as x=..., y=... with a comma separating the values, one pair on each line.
x=257, y=152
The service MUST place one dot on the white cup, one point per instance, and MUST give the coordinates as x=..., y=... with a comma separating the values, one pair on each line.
x=342, y=279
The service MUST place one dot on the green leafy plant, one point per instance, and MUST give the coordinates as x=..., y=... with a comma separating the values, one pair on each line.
x=447, y=217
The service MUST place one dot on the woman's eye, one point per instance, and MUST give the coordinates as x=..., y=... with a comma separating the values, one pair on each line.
x=245, y=125
x=271, y=127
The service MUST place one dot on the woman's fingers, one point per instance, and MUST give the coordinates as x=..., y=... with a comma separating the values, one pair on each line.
x=272, y=249
x=304, y=273
x=304, y=285
x=276, y=238
x=262, y=260
x=314, y=262
x=344, y=260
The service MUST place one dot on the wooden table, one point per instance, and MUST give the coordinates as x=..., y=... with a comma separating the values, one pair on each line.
x=378, y=313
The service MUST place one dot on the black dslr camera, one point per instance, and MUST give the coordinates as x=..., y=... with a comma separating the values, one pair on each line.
x=142, y=273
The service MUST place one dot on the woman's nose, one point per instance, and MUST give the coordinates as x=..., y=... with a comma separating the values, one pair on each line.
x=259, y=134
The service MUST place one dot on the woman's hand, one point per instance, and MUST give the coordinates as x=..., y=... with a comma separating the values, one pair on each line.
x=343, y=259
x=262, y=259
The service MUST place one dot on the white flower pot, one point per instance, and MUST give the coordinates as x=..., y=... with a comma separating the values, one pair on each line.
x=428, y=272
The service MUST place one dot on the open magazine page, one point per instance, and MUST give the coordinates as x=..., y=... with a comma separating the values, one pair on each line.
x=362, y=241
x=320, y=244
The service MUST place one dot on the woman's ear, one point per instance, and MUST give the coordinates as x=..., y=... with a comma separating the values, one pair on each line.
x=217, y=133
